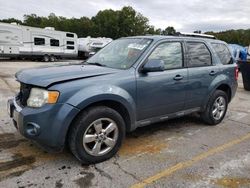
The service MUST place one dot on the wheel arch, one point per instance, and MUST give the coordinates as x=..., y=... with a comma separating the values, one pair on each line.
x=220, y=86
x=118, y=106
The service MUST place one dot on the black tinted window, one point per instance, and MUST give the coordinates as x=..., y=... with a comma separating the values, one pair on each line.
x=199, y=54
x=70, y=47
x=170, y=53
x=70, y=35
x=54, y=42
x=39, y=41
x=223, y=53
x=70, y=42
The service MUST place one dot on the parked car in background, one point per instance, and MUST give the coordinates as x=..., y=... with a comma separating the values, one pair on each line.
x=132, y=82
x=18, y=41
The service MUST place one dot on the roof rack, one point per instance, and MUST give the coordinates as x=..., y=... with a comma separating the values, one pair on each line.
x=195, y=35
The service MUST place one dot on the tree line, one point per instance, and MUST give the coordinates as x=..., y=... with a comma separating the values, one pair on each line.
x=239, y=36
x=106, y=23
x=115, y=24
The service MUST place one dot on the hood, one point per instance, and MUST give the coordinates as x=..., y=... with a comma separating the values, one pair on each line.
x=47, y=76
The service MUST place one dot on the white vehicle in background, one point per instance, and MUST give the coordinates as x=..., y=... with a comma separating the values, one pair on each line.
x=89, y=46
x=18, y=41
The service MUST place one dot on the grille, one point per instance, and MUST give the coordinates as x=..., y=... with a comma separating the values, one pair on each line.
x=24, y=93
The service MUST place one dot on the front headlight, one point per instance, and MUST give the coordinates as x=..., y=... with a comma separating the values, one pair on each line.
x=38, y=97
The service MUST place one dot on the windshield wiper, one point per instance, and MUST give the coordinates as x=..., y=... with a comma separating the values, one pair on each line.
x=95, y=63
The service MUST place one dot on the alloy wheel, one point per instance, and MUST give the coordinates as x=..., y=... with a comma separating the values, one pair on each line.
x=100, y=137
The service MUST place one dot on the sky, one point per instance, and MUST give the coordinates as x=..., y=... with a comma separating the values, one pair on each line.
x=185, y=16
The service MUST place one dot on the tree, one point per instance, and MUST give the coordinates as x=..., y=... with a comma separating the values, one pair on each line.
x=197, y=31
x=106, y=24
x=132, y=23
x=240, y=36
x=169, y=31
x=11, y=20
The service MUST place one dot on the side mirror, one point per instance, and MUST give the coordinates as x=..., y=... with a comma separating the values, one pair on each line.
x=153, y=65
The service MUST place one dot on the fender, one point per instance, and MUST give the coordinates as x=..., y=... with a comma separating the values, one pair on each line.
x=93, y=94
x=218, y=81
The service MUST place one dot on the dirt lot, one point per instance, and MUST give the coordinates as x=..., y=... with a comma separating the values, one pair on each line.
x=177, y=153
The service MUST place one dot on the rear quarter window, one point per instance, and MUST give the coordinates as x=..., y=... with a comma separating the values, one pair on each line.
x=223, y=53
x=199, y=55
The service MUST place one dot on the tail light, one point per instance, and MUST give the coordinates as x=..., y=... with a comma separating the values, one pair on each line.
x=236, y=73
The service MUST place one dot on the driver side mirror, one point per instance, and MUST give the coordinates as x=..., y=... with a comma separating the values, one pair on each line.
x=153, y=65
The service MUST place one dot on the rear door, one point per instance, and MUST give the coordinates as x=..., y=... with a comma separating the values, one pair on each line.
x=202, y=70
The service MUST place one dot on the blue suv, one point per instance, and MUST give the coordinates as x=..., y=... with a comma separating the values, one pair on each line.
x=132, y=82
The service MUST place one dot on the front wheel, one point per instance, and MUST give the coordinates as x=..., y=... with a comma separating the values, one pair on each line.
x=96, y=135
x=216, y=108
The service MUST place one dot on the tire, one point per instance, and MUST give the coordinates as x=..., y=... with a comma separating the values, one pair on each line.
x=46, y=58
x=219, y=101
x=52, y=58
x=86, y=151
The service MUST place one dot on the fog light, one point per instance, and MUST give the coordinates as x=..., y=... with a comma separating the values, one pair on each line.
x=32, y=129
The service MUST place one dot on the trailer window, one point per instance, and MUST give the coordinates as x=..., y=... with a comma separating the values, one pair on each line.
x=70, y=47
x=70, y=35
x=54, y=42
x=39, y=41
x=70, y=42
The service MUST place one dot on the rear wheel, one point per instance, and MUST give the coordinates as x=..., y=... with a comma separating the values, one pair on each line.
x=96, y=135
x=52, y=58
x=46, y=58
x=216, y=108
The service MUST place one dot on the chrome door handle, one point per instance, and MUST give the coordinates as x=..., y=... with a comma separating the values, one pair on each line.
x=212, y=73
x=178, y=77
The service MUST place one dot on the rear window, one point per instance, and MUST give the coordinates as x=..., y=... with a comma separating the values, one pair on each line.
x=199, y=55
x=223, y=53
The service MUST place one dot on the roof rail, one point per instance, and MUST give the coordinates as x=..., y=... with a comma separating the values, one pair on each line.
x=195, y=35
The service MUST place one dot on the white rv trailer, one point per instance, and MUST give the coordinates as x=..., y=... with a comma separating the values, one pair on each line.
x=88, y=45
x=36, y=43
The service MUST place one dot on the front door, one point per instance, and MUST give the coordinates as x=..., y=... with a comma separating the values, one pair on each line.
x=160, y=93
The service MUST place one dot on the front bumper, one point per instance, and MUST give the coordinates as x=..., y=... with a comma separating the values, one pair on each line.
x=47, y=126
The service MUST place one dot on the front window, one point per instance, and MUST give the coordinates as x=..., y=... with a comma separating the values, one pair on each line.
x=120, y=54
x=170, y=53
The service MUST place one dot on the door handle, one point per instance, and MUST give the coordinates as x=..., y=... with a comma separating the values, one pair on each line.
x=178, y=77
x=212, y=73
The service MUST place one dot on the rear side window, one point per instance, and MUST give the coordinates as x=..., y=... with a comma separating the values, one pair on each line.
x=199, y=55
x=170, y=53
x=39, y=41
x=223, y=53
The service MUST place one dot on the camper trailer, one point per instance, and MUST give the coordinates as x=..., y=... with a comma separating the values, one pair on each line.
x=88, y=46
x=18, y=41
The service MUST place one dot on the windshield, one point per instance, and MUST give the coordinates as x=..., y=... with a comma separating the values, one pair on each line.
x=120, y=54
